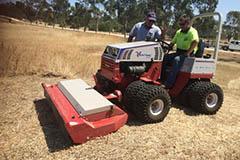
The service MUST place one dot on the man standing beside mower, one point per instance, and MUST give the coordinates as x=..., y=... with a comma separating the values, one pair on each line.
x=186, y=40
x=145, y=31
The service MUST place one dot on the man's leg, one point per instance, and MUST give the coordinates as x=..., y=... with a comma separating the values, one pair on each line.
x=177, y=64
x=168, y=59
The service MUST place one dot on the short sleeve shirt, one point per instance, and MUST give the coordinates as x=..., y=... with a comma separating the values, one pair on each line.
x=141, y=32
x=183, y=40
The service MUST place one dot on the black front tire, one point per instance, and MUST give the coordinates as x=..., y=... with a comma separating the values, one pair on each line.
x=206, y=97
x=129, y=98
x=152, y=104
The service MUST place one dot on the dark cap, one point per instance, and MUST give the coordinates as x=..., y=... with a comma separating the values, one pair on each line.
x=152, y=16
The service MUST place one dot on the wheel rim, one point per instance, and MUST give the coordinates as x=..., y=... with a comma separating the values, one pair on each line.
x=212, y=100
x=156, y=107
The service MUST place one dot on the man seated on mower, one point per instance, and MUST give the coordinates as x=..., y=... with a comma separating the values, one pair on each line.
x=145, y=31
x=186, y=40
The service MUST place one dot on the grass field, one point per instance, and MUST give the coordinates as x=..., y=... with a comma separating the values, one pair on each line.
x=30, y=55
x=30, y=50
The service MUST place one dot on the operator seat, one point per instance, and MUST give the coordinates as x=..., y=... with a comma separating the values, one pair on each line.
x=200, y=50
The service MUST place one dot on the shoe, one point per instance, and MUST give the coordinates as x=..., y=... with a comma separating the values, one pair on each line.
x=163, y=86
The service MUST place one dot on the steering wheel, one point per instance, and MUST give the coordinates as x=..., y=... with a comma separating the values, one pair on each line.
x=165, y=46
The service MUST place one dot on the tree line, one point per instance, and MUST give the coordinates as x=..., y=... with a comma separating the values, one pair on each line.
x=121, y=15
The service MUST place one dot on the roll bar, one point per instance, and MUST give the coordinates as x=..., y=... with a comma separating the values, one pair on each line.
x=218, y=38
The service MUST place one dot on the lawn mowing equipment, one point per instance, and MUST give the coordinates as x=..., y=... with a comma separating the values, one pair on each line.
x=130, y=75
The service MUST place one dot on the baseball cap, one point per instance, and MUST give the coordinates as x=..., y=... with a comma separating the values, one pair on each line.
x=152, y=16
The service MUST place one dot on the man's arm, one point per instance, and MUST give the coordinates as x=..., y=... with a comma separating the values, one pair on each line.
x=171, y=45
x=130, y=38
x=193, y=45
x=132, y=33
x=158, y=34
x=174, y=40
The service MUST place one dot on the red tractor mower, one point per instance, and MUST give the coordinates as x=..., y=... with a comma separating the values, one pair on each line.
x=130, y=75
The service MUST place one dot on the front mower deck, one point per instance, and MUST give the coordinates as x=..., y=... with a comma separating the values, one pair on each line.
x=82, y=119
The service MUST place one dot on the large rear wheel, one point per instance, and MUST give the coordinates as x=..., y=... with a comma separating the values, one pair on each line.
x=206, y=97
x=183, y=98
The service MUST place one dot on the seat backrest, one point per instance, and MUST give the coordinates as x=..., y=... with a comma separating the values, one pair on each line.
x=200, y=50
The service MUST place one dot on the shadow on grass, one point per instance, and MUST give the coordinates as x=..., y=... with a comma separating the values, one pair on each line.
x=133, y=120
x=54, y=135
x=187, y=110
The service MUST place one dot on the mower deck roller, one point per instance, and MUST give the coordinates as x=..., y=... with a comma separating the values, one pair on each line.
x=84, y=112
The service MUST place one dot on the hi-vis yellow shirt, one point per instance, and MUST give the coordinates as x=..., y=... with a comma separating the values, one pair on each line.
x=184, y=40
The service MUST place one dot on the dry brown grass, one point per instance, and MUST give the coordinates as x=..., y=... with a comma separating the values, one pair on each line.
x=27, y=125
x=28, y=50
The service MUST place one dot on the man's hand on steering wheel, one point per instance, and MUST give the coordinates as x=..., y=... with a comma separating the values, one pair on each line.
x=166, y=46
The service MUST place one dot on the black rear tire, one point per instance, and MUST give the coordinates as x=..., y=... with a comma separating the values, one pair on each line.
x=183, y=98
x=152, y=104
x=206, y=97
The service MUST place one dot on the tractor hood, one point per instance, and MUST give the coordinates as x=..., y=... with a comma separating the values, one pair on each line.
x=133, y=44
x=134, y=52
